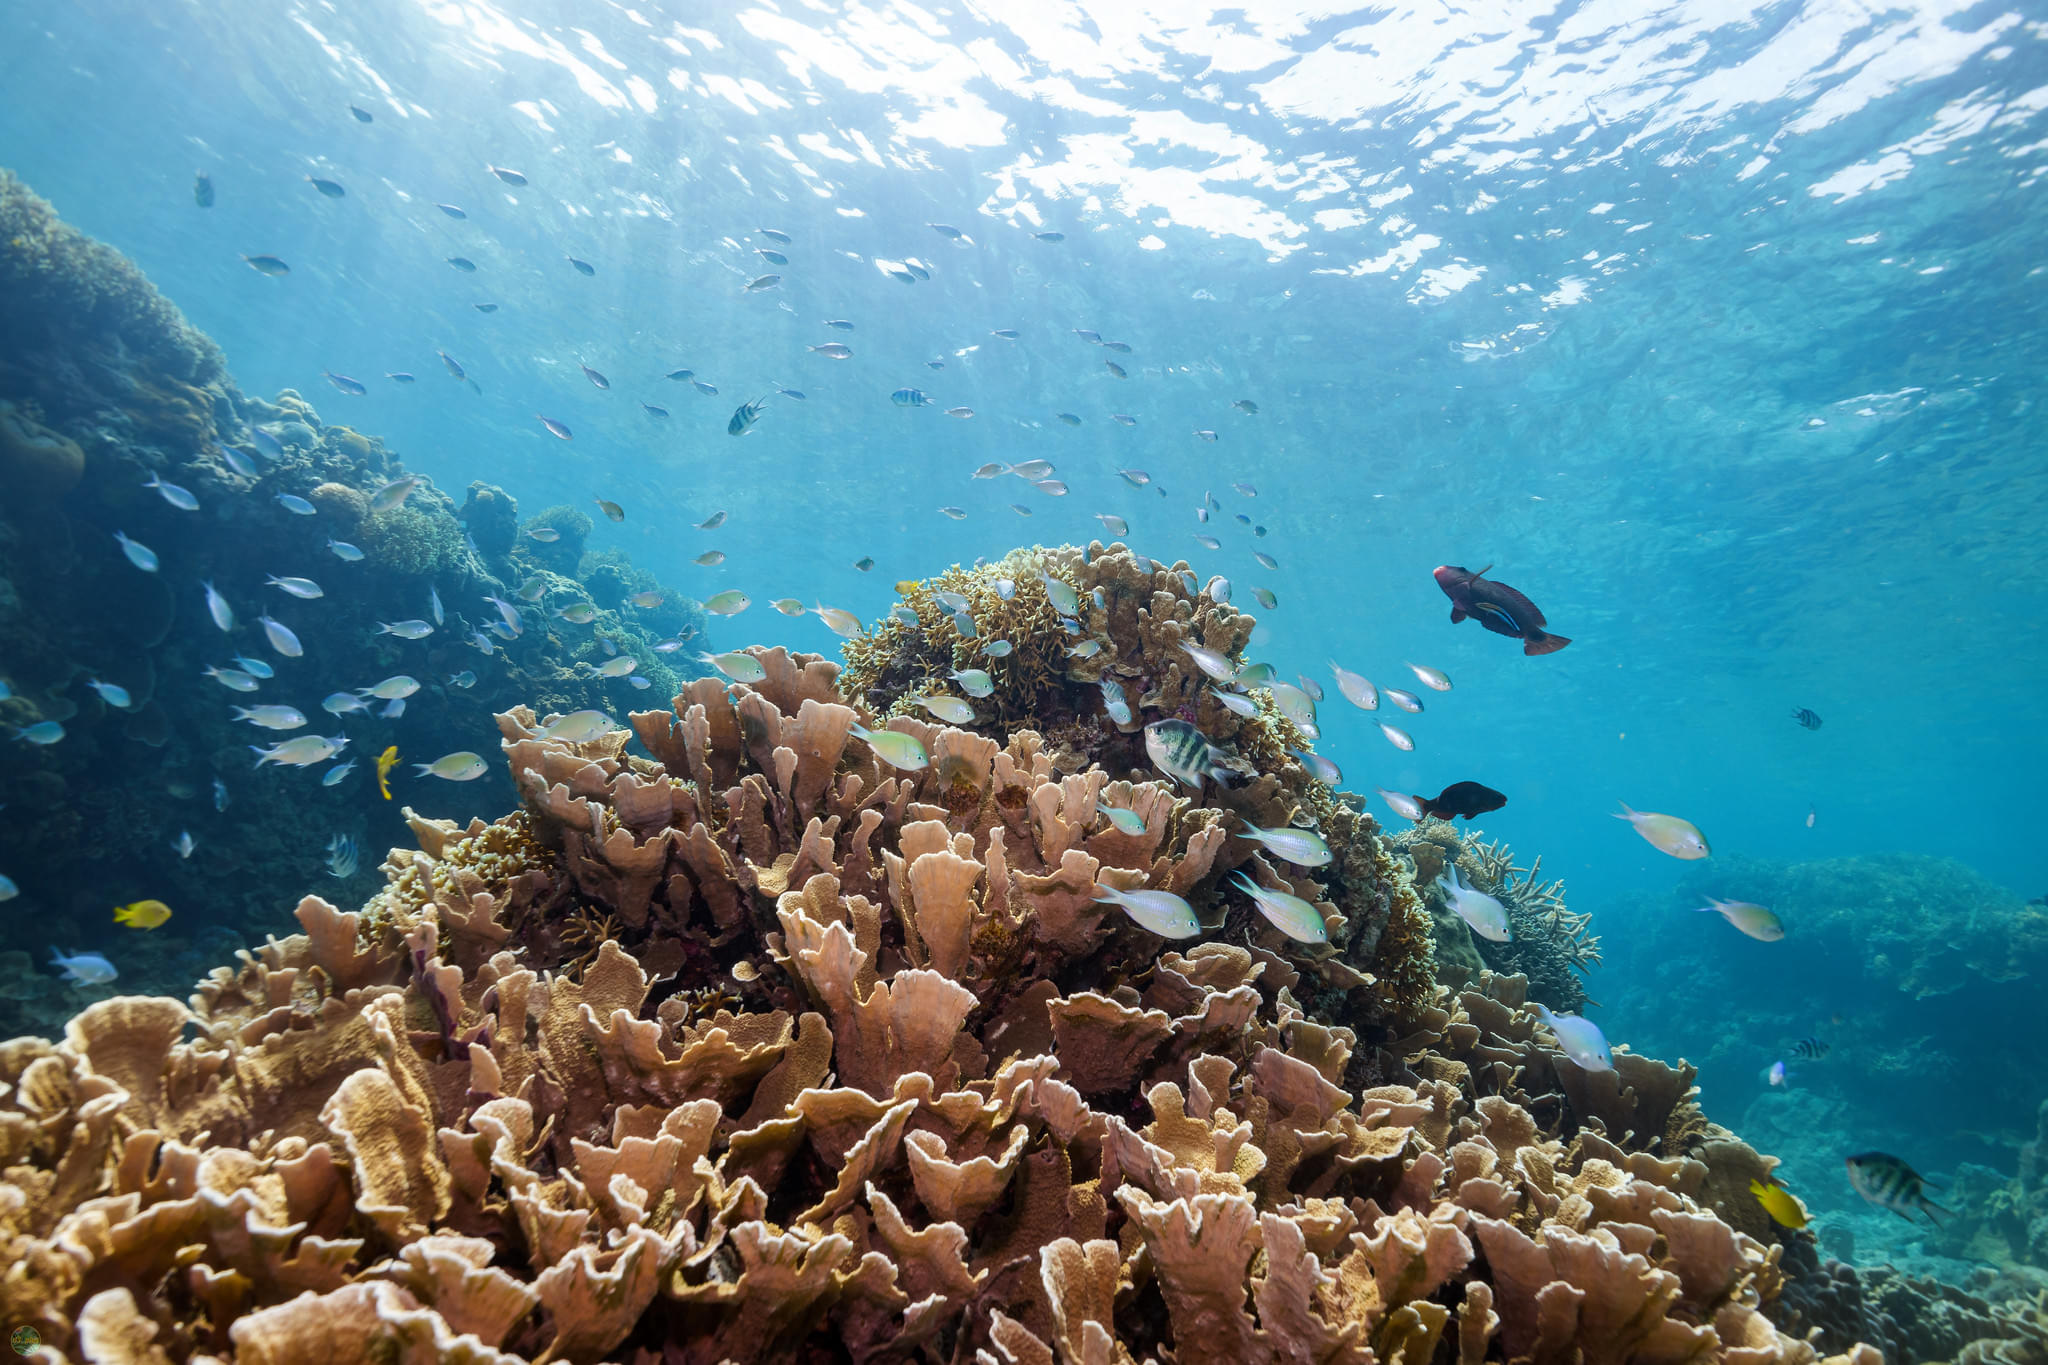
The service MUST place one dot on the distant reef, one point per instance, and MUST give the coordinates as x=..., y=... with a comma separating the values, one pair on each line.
x=105, y=389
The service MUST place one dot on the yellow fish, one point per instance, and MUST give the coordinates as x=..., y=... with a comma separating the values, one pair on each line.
x=1779, y=1202
x=386, y=761
x=142, y=914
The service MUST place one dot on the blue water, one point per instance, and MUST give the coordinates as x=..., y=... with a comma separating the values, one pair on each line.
x=1718, y=333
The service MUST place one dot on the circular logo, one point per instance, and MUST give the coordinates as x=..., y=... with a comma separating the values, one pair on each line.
x=24, y=1340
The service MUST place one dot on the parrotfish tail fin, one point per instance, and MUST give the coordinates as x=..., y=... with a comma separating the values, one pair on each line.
x=1540, y=643
x=1457, y=614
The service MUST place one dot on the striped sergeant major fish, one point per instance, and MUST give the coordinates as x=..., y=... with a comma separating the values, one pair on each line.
x=744, y=417
x=1890, y=1183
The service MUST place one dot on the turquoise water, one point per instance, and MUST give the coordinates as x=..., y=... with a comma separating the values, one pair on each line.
x=1720, y=334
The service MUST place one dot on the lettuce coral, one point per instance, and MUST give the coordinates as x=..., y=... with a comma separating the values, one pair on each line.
x=856, y=1059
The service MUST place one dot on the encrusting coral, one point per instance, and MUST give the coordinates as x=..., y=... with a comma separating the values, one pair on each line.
x=763, y=1049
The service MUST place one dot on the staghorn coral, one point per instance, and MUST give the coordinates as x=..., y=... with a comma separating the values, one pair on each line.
x=858, y=1065
x=1552, y=945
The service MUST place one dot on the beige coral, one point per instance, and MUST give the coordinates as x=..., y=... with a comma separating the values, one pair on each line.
x=863, y=1059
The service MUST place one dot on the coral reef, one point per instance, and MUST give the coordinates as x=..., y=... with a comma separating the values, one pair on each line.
x=104, y=388
x=67, y=294
x=763, y=1045
x=1552, y=946
x=1999, y=1218
x=1132, y=616
x=1919, y=977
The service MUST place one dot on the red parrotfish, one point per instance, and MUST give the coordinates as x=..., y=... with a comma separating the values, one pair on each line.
x=1497, y=607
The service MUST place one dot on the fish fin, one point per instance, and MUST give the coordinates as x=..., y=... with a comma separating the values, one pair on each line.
x=1457, y=614
x=1544, y=644
x=1933, y=1208
x=1626, y=813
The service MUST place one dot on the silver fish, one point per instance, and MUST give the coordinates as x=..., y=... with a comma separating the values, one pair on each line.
x=1157, y=912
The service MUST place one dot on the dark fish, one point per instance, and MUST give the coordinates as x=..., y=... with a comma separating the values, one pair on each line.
x=703, y=387
x=267, y=265
x=772, y=257
x=840, y=324
x=917, y=268
x=1807, y=718
x=935, y=364
x=1087, y=335
x=712, y=522
x=1497, y=607
x=451, y=210
x=594, y=377
x=1811, y=1049
x=834, y=350
x=1050, y=236
x=509, y=177
x=398, y=377
x=463, y=263
x=1890, y=1183
x=327, y=187
x=1123, y=419
x=946, y=230
x=776, y=236
x=1006, y=333
x=910, y=398
x=485, y=307
x=453, y=368
x=653, y=411
x=202, y=190
x=797, y=394
x=1468, y=799
x=345, y=384
x=362, y=115
x=583, y=267
x=1069, y=418
x=556, y=429
x=864, y=563
x=744, y=417
x=1116, y=369
x=1123, y=347
x=680, y=375
x=1247, y=407
x=763, y=282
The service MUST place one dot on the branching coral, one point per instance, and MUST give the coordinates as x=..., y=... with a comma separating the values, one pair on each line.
x=1551, y=945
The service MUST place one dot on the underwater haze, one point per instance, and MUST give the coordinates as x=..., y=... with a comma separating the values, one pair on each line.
x=1719, y=330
